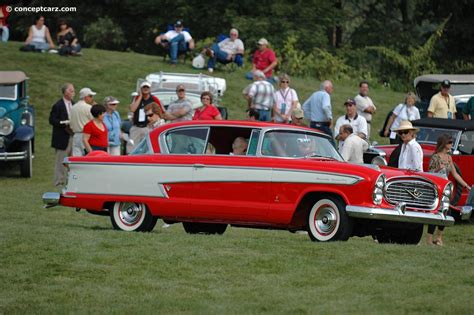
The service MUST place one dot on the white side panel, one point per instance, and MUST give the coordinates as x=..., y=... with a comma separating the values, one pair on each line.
x=289, y=176
x=124, y=179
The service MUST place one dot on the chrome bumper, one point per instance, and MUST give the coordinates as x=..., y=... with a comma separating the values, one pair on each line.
x=466, y=212
x=399, y=215
x=51, y=199
x=12, y=156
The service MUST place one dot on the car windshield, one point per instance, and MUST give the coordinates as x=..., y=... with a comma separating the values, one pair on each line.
x=431, y=135
x=8, y=91
x=287, y=143
x=461, y=89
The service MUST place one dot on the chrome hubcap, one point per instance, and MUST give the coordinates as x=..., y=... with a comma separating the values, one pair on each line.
x=130, y=213
x=326, y=220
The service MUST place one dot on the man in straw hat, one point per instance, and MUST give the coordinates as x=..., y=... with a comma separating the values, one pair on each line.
x=411, y=154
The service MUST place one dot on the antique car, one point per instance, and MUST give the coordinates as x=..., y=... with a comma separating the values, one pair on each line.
x=16, y=122
x=462, y=132
x=290, y=178
x=462, y=88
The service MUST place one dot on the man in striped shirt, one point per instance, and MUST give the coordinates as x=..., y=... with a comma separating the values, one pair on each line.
x=260, y=96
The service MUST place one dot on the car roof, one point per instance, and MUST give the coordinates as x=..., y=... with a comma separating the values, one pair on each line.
x=437, y=78
x=235, y=123
x=9, y=77
x=456, y=124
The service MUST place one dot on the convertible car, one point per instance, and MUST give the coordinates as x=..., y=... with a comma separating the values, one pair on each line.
x=290, y=178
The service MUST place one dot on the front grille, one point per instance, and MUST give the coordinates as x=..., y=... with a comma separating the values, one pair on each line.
x=415, y=193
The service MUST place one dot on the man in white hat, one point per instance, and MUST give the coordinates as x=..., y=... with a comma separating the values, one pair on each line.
x=81, y=115
x=411, y=154
x=139, y=129
x=264, y=59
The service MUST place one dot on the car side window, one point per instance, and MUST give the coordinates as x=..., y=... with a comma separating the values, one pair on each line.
x=187, y=140
x=466, y=144
x=253, y=143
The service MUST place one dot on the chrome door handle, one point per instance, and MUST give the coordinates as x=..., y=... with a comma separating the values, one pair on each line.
x=199, y=165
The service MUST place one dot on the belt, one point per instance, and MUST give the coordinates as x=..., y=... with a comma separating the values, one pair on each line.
x=369, y=122
x=324, y=123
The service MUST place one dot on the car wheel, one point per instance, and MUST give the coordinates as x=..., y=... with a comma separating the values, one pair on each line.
x=131, y=216
x=400, y=236
x=26, y=166
x=204, y=228
x=328, y=221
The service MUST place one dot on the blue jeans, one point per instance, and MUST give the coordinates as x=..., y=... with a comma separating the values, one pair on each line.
x=221, y=56
x=5, y=34
x=325, y=129
x=264, y=115
x=177, y=44
x=40, y=45
x=249, y=76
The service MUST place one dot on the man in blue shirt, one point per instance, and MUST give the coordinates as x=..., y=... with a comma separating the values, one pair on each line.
x=318, y=109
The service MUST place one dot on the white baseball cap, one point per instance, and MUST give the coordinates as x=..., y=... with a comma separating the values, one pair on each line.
x=145, y=83
x=86, y=92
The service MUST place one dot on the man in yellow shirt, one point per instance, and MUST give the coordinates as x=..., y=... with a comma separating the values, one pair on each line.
x=442, y=104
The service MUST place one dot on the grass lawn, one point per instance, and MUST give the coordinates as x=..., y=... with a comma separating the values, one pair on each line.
x=59, y=261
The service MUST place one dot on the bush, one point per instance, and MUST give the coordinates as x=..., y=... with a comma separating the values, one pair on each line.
x=104, y=34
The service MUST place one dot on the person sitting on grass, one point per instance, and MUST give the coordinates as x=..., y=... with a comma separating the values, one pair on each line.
x=228, y=50
x=68, y=43
x=178, y=41
x=39, y=37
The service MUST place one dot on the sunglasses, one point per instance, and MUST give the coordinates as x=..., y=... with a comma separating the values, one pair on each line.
x=450, y=142
x=404, y=132
x=182, y=90
x=150, y=115
x=285, y=81
x=205, y=98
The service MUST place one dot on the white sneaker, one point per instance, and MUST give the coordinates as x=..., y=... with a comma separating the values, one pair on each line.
x=166, y=225
x=210, y=70
x=53, y=51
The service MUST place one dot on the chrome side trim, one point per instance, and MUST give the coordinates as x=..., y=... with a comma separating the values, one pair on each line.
x=51, y=199
x=397, y=215
x=12, y=156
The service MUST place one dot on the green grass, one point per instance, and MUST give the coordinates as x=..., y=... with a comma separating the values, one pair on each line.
x=59, y=261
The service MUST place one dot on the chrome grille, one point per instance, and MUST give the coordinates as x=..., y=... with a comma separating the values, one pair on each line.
x=416, y=194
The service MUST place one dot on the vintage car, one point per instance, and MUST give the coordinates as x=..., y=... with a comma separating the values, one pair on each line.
x=462, y=88
x=462, y=132
x=291, y=178
x=16, y=122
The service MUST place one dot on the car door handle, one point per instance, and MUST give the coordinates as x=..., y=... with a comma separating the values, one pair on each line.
x=199, y=165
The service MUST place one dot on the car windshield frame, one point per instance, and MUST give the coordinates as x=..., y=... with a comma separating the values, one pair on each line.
x=300, y=135
x=15, y=92
x=455, y=134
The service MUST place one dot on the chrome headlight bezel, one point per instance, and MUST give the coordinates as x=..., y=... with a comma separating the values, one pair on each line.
x=446, y=197
x=379, y=189
x=6, y=126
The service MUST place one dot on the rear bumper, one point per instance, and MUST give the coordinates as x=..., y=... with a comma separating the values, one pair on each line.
x=51, y=199
x=397, y=215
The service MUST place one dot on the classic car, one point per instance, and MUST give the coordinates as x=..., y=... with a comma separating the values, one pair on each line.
x=16, y=122
x=462, y=132
x=291, y=178
x=462, y=88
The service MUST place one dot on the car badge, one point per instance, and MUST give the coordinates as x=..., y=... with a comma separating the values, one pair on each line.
x=415, y=193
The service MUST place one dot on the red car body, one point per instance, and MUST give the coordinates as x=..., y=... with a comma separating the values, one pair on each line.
x=170, y=176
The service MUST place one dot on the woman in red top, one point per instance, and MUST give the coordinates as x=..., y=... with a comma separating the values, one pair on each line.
x=95, y=131
x=207, y=111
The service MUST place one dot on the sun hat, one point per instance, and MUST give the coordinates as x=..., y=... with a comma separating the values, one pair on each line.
x=406, y=125
x=145, y=83
x=111, y=100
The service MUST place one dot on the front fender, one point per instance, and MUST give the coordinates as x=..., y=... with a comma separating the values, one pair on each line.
x=24, y=133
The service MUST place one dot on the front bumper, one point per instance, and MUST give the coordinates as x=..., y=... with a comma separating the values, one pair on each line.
x=399, y=215
x=51, y=199
x=12, y=156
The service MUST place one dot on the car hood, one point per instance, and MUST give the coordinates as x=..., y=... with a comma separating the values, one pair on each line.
x=7, y=106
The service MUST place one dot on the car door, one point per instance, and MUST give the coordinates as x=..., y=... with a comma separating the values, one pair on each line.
x=231, y=188
x=465, y=159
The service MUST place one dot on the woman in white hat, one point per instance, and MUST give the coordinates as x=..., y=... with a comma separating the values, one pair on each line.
x=411, y=154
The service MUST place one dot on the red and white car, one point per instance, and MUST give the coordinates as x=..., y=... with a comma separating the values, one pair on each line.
x=291, y=178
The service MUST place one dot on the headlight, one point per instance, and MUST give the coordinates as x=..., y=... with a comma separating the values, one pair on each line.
x=377, y=195
x=6, y=126
x=445, y=199
x=448, y=190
